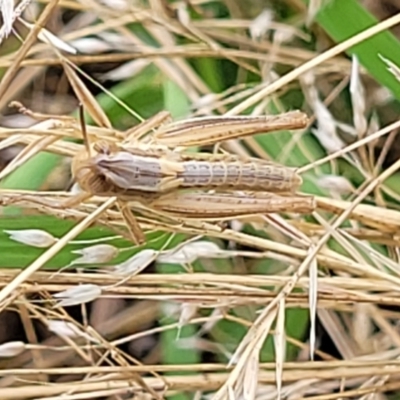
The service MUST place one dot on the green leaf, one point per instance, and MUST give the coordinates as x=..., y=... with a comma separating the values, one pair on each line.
x=342, y=19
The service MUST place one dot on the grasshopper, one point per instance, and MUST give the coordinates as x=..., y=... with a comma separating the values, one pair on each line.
x=154, y=170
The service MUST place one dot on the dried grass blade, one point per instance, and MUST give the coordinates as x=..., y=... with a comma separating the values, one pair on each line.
x=250, y=346
x=27, y=153
x=312, y=300
x=86, y=98
x=250, y=378
x=211, y=130
x=383, y=219
x=27, y=44
x=11, y=141
x=280, y=345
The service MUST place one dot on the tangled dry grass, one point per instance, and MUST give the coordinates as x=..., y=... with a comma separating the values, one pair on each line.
x=263, y=307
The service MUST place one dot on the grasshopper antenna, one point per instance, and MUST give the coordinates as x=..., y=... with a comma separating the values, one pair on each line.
x=83, y=128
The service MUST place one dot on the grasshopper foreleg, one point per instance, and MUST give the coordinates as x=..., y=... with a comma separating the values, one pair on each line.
x=132, y=224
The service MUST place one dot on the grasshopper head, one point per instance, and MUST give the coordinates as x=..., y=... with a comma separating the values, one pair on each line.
x=84, y=168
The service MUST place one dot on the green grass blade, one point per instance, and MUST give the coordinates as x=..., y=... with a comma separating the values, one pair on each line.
x=342, y=19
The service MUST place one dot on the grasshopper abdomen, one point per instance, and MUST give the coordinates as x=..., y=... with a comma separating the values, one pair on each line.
x=239, y=175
